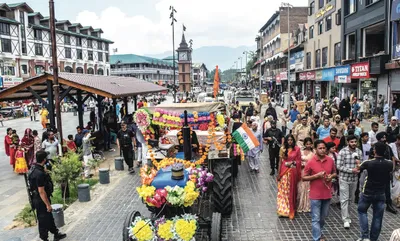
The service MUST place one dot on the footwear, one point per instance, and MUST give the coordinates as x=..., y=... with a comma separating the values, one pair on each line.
x=323, y=238
x=391, y=209
x=272, y=173
x=131, y=170
x=257, y=171
x=346, y=225
x=59, y=236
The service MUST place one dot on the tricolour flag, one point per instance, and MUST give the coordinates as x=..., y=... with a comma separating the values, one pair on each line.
x=245, y=138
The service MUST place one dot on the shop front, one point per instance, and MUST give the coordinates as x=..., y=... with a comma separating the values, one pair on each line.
x=321, y=87
x=359, y=74
x=328, y=77
x=308, y=79
x=343, y=82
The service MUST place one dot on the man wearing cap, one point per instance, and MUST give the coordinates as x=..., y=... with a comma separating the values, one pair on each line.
x=41, y=187
x=392, y=130
x=126, y=142
x=274, y=137
x=302, y=131
x=339, y=125
x=86, y=152
x=388, y=155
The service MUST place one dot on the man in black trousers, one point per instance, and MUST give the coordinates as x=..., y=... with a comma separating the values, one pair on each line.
x=274, y=138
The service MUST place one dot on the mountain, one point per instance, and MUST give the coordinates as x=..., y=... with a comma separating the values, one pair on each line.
x=211, y=56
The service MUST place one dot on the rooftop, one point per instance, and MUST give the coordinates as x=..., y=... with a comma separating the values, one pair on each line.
x=137, y=59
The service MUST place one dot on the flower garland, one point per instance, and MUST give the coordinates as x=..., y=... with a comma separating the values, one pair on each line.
x=142, y=119
x=201, y=177
x=147, y=174
x=166, y=118
x=142, y=230
x=179, y=228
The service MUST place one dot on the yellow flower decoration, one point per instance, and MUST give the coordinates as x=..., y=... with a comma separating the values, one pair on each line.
x=146, y=191
x=164, y=230
x=185, y=230
x=142, y=231
x=190, y=194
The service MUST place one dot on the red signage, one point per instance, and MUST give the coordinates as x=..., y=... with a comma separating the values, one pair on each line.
x=360, y=70
x=303, y=76
x=278, y=79
x=283, y=75
x=309, y=75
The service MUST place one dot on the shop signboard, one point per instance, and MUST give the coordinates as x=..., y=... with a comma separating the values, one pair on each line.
x=395, y=10
x=360, y=70
x=342, y=74
x=310, y=75
x=318, y=75
x=283, y=75
x=325, y=10
x=303, y=76
x=292, y=62
x=278, y=79
x=342, y=79
x=292, y=77
x=9, y=81
x=328, y=74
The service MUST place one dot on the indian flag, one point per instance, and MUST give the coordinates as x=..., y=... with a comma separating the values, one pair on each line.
x=245, y=138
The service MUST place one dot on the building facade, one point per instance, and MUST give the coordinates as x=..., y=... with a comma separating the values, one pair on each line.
x=271, y=43
x=146, y=68
x=199, y=74
x=184, y=65
x=322, y=48
x=26, y=45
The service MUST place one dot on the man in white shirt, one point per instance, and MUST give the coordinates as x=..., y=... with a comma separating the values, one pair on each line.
x=361, y=110
x=372, y=133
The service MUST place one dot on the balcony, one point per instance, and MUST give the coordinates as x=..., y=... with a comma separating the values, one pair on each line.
x=376, y=63
x=142, y=71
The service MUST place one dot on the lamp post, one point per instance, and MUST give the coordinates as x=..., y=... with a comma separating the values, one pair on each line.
x=245, y=66
x=288, y=6
x=236, y=68
x=241, y=69
x=173, y=21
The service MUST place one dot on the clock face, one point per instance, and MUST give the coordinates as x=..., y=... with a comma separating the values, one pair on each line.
x=183, y=56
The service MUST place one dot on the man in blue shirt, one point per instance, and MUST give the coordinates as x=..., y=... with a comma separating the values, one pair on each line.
x=323, y=131
x=293, y=113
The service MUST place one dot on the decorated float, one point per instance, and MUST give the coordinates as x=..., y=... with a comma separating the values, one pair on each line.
x=188, y=167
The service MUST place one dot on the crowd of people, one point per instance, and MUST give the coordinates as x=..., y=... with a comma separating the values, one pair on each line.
x=324, y=156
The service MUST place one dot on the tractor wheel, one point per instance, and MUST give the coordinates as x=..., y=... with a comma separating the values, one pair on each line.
x=222, y=186
x=130, y=218
x=216, y=223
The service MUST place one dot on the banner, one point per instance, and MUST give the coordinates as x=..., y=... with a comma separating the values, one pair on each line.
x=309, y=75
x=283, y=75
x=395, y=10
x=318, y=75
x=328, y=74
x=360, y=70
x=10, y=81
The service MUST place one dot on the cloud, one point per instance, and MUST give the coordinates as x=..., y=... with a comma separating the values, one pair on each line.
x=209, y=23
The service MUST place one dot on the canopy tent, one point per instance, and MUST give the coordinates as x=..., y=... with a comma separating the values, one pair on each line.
x=190, y=107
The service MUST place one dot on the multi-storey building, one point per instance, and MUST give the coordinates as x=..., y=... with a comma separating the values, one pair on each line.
x=366, y=46
x=272, y=41
x=26, y=45
x=142, y=67
x=199, y=74
x=322, y=48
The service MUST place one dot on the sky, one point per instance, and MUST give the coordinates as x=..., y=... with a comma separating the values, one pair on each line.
x=143, y=26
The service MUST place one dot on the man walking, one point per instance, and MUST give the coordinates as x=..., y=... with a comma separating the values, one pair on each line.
x=319, y=171
x=372, y=133
x=274, y=138
x=333, y=137
x=41, y=187
x=373, y=193
x=347, y=163
x=392, y=130
x=86, y=152
x=302, y=131
x=339, y=125
x=323, y=131
x=254, y=154
x=126, y=141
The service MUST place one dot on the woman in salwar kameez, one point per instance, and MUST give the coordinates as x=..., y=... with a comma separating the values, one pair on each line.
x=288, y=177
x=304, y=203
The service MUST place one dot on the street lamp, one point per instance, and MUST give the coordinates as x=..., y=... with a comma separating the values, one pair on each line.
x=288, y=6
x=173, y=21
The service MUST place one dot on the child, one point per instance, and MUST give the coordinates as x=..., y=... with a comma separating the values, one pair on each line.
x=15, y=138
x=331, y=148
x=71, y=146
x=20, y=163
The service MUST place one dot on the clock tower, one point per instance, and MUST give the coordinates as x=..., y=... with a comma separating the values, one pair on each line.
x=184, y=65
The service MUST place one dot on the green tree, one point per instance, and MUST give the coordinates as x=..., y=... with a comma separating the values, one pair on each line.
x=252, y=59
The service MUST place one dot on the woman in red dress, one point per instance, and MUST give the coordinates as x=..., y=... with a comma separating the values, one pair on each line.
x=289, y=176
x=9, y=146
x=27, y=143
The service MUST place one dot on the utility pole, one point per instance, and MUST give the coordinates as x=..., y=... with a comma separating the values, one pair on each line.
x=173, y=20
x=56, y=86
x=288, y=6
x=245, y=67
x=191, y=62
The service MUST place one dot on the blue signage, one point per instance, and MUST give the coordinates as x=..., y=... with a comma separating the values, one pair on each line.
x=328, y=74
x=1, y=81
x=342, y=70
x=395, y=10
x=292, y=60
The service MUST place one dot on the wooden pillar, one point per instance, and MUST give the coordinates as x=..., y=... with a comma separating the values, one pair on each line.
x=126, y=105
x=80, y=107
x=50, y=103
x=135, y=102
x=100, y=112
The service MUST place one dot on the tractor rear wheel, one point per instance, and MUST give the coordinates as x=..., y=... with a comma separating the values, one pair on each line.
x=222, y=197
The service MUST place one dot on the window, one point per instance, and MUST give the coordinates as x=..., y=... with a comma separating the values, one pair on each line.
x=78, y=42
x=68, y=53
x=39, y=49
x=320, y=3
x=100, y=56
x=351, y=46
x=325, y=57
x=372, y=1
x=79, y=54
x=99, y=45
x=308, y=63
x=8, y=70
x=106, y=47
x=79, y=70
x=6, y=45
x=22, y=17
x=38, y=34
x=318, y=58
x=339, y=17
x=67, y=39
x=4, y=28
x=311, y=9
x=328, y=23
x=90, y=71
x=90, y=55
x=311, y=32
x=349, y=7
x=337, y=54
x=107, y=58
x=320, y=27
x=23, y=44
x=24, y=69
x=100, y=72
x=89, y=43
